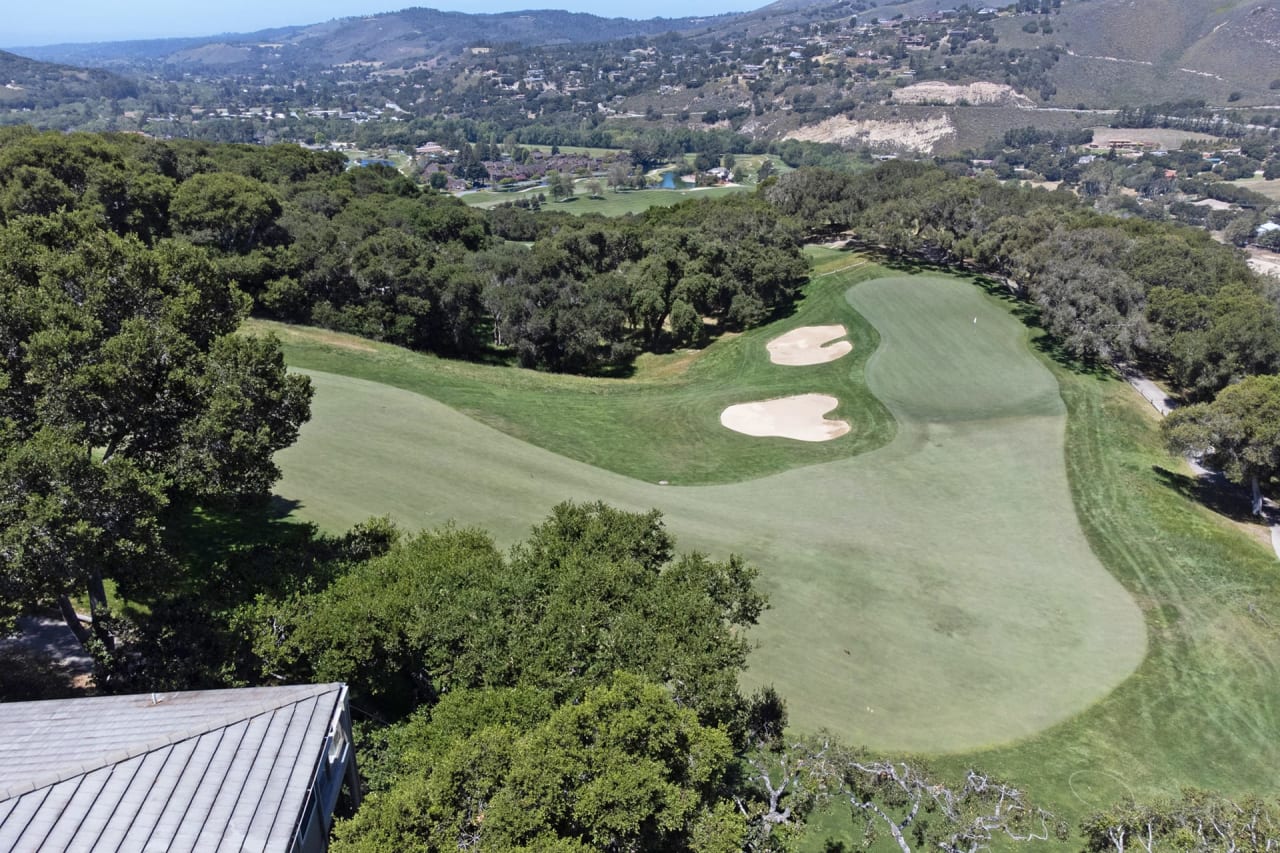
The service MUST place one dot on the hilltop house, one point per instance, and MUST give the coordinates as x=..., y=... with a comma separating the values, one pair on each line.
x=258, y=768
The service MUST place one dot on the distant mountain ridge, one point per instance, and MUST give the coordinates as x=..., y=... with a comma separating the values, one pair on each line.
x=789, y=65
x=410, y=34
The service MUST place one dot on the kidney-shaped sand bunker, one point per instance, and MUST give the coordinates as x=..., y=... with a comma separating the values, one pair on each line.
x=804, y=346
x=799, y=417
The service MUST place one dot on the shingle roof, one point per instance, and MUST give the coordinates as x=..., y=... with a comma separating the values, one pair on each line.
x=198, y=770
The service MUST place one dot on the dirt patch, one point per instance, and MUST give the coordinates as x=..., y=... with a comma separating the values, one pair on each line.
x=1051, y=186
x=799, y=417
x=932, y=92
x=805, y=346
x=1267, y=263
x=1157, y=137
x=920, y=136
x=666, y=367
x=332, y=339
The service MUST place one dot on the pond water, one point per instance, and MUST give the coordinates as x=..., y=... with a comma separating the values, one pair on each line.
x=668, y=180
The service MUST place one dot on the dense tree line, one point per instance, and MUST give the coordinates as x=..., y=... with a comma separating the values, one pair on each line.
x=1191, y=115
x=125, y=397
x=369, y=252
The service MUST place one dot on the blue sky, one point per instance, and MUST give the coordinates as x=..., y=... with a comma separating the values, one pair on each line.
x=35, y=23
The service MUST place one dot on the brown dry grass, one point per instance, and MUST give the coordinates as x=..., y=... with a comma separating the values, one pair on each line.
x=321, y=336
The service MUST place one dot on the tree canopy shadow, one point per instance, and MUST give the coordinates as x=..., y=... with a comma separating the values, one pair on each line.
x=28, y=674
x=1024, y=311
x=1215, y=492
x=1051, y=348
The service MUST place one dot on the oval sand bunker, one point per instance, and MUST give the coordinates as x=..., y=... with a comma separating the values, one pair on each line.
x=799, y=417
x=804, y=346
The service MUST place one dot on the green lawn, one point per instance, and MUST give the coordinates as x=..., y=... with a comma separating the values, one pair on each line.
x=611, y=204
x=1203, y=709
x=402, y=160
x=578, y=149
x=931, y=594
x=662, y=424
x=1270, y=189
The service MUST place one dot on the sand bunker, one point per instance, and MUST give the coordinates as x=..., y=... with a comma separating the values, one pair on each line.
x=804, y=346
x=799, y=417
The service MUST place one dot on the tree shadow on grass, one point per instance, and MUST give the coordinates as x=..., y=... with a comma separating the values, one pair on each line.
x=1050, y=347
x=207, y=533
x=1215, y=492
x=227, y=549
x=915, y=265
x=615, y=371
x=1025, y=312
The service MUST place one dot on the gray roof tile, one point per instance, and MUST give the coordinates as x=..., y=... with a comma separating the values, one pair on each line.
x=199, y=770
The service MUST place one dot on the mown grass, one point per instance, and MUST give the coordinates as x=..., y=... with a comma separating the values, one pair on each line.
x=1270, y=189
x=932, y=594
x=611, y=203
x=1203, y=709
x=584, y=150
x=404, y=163
x=661, y=424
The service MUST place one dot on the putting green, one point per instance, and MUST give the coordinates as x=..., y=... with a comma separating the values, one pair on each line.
x=935, y=594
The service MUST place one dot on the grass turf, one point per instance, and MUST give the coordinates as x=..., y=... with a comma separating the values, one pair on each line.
x=611, y=204
x=1270, y=189
x=933, y=594
x=661, y=424
x=1203, y=709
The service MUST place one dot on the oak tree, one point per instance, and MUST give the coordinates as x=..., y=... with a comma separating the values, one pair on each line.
x=123, y=389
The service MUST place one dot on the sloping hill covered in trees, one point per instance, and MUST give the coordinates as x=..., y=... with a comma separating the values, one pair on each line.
x=30, y=84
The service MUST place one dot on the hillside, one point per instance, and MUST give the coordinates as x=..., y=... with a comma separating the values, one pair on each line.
x=394, y=37
x=1113, y=52
x=915, y=76
x=29, y=84
x=1119, y=52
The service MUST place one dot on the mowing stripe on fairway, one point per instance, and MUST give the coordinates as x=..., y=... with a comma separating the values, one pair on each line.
x=935, y=594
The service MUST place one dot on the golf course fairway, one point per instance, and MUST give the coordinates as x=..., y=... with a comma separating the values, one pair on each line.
x=934, y=594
